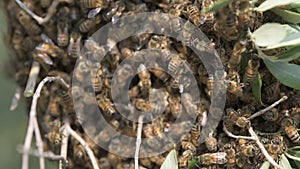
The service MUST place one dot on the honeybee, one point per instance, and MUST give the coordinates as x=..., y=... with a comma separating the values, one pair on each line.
x=106, y=105
x=62, y=34
x=195, y=133
x=87, y=24
x=53, y=107
x=187, y=144
x=209, y=85
x=212, y=158
x=158, y=127
x=174, y=64
x=238, y=49
x=211, y=143
x=29, y=43
x=97, y=84
x=235, y=88
x=115, y=12
x=126, y=53
x=51, y=50
x=74, y=44
x=98, y=5
x=30, y=26
x=240, y=121
x=194, y=14
x=210, y=15
x=271, y=92
x=276, y=145
x=154, y=42
x=159, y=73
x=292, y=133
x=271, y=115
x=185, y=157
x=142, y=105
x=113, y=159
x=249, y=150
x=79, y=153
x=54, y=136
x=145, y=81
x=251, y=70
x=151, y=140
x=230, y=154
x=124, y=73
x=104, y=163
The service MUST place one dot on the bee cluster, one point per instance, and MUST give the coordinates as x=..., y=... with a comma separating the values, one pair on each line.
x=50, y=46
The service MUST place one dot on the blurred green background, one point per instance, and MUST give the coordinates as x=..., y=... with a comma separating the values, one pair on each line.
x=12, y=124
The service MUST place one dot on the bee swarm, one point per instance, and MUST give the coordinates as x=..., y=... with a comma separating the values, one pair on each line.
x=50, y=43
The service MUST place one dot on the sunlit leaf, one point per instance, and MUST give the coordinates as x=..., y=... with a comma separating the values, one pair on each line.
x=294, y=155
x=170, y=161
x=256, y=88
x=295, y=148
x=284, y=162
x=287, y=74
x=287, y=15
x=265, y=165
x=291, y=40
x=269, y=4
x=286, y=56
x=269, y=34
x=216, y=6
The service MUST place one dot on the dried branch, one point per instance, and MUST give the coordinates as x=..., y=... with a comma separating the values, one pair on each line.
x=261, y=112
x=50, y=12
x=33, y=75
x=16, y=98
x=70, y=131
x=34, y=127
x=262, y=148
x=138, y=142
x=64, y=145
x=235, y=136
x=48, y=154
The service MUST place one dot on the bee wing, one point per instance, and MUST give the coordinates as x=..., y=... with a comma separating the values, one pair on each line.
x=92, y=13
x=220, y=156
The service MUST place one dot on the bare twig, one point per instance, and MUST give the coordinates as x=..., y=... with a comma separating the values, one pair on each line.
x=259, y=113
x=48, y=154
x=34, y=72
x=70, y=131
x=15, y=100
x=138, y=142
x=262, y=148
x=64, y=145
x=235, y=136
x=51, y=10
x=34, y=127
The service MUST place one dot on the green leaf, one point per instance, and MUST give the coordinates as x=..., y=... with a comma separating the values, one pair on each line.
x=170, y=161
x=216, y=6
x=265, y=165
x=295, y=148
x=256, y=88
x=286, y=56
x=269, y=34
x=269, y=4
x=287, y=15
x=192, y=163
x=294, y=155
x=284, y=162
x=287, y=74
x=291, y=40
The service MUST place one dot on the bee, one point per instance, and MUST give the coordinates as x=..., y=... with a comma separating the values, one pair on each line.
x=149, y=134
x=186, y=144
x=154, y=42
x=74, y=44
x=49, y=49
x=238, y=120
x=195, y=133
x=159, y=73
x=145, y=81
x=175, y=106
x=142, y=105
x=174, y=64
x=104, y=163
x=97, y=84
x=240, y=160
x=249, y=150
x=209, y=85
x=113, y=159
x=271, y=92
x=106, y=105
x=238, y=49
x=133, y=92
x=194, y=14
x=251, y=70
x=185, y=157
x=212, y=158
x=86, y=25
x=30, y=26
x=28, y=44
x=292, y=132
x=98, y=5
x=276, y=145
x=271, y=115
x=62, y=34
x=230, y=154
x=45, y=3
x=79, y=154
x=235, y=88
x=53, y=107
x=208, y=16
x=54, y=136
x=126, y=53
x=115, y=12
x=124, y=73
x=211, y=143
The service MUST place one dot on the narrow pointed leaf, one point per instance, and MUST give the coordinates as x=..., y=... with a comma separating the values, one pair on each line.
x=284, y=162
x=286, y=56
x=287, y=15
x=269, y=4
x=170, y=161
x=287, y=74
x=265, y=165
x=256, y=88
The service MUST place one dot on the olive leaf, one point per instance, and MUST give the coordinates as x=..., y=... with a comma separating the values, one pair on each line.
x=284, y=162
x=285, y=56
x=287, y=74
x=216, y=6
x=269, y=4
x=256, y=84
x=270, y=34
x=192, y=163
x=290, y=40
x=265, y=165
x=287, y=15
x=294, y=155
x=170, y=161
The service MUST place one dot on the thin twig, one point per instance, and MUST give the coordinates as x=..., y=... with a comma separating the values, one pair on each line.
x=34, y=127
x=48, y=154
x=88, y=150
x=235, y=136
x=138, y=142
x=33, y=75
x=50, y=12
x=259, y=113
x=262, y=148
x=64, y=145
x=16, y=98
